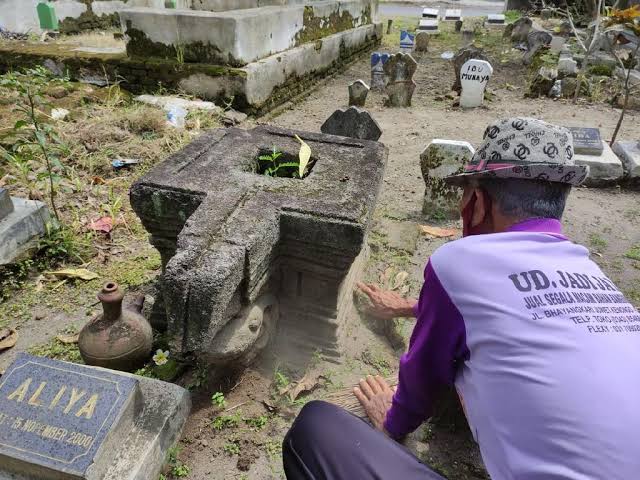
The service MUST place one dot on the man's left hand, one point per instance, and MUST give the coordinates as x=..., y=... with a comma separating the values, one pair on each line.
x=376, y=396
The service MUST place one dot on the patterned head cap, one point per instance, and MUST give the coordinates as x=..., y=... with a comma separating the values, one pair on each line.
x=524, y=148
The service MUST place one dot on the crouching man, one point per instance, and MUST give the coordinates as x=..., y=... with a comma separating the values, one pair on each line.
x=541, y=346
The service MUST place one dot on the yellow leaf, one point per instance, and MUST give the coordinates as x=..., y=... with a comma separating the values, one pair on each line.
x=438, y=232
x=305, y=156
x=81, y=273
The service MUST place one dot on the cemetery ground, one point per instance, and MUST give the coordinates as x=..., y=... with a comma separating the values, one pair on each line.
x=238, y=422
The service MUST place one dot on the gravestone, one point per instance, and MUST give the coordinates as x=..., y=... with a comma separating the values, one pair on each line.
x=429, y=26
x=47, y=16
x=452, y=14
x=352, y=122
x=438, y=160
x=431, y=13
x=605, y=168
x=377, y=70
x=22, y=222
x=567, y=67
x=496, y=19
x=407, y=41
x=422, y=41
x=358, y=92
x=474, y=76
x=518, y=30
x=458, y=26
x=629, y=154
x=535, y=41
x=463, y=55
x=557, y=43
x=586, y=141
x=64, y=421
x=398, y=73
x=467, y=37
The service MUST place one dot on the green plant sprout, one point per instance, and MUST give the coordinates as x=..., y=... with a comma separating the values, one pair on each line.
x=272, y=165
x=217, y=399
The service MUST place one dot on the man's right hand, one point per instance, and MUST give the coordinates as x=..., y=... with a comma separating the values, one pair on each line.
x=387, y=304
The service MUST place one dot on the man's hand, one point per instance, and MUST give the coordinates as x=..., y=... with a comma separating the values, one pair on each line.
x=386, y=304
x=376, y=396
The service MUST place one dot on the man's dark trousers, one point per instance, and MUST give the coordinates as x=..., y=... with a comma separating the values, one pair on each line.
x=327, y=442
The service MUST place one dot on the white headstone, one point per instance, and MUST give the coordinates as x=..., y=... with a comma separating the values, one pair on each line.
x=474, y=76
x=430, y=13
x=496, y=19
x=453, y=14
x=429, y=26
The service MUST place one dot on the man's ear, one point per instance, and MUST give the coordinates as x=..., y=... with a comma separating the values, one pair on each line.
x=480, y=208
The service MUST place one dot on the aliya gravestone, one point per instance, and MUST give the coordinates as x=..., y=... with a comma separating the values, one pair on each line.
x=474, y=76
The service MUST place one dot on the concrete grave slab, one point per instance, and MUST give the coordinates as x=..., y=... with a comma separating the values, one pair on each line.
x=228, y=235
x=354, y=123
x=438, y=160
x=496, y=19
x=629, y=154
x=67, y=421
x=604, y=169
x=21, y=227
x=587, y=141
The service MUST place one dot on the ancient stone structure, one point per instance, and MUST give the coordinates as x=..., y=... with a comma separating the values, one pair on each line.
x=353, y=123
x=63, y=421
x=398, y=72
x=438, y=160
x=230, y=238
x=21, y=224
x=474, y=76
x=358, y=92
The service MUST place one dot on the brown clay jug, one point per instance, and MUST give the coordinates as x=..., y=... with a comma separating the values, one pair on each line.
x=120, y=339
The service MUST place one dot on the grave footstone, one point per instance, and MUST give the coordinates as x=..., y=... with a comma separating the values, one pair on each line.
x=429, y=26
x=354, y=123
x=358, y=92
x=407, y=42
x=377, y=70
x=22, y=222
x=47, y=16
x=458, y=26
x=64, y=421
x=438, y=160
x=467, y=37
x=629, y=154
x=422, y=42
x=399, y=72
x=605, y=168
x=474, y=76
x=464, y=54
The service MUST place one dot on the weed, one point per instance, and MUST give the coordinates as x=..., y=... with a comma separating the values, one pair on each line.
x=223, y=422
x=281, y=380
x=274, y=165
x=597, y=241
x=512, y=15
x=634, y=253
x=217, y=399
x=257, y=423
x=232, y=447
x=199, y=378
x=180, y=470
x=273, y=449
x=601, y=70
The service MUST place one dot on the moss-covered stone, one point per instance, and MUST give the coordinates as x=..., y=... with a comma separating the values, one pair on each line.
x=316, y=27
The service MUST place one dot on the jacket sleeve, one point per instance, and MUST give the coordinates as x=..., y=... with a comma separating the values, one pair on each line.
x=437, y=344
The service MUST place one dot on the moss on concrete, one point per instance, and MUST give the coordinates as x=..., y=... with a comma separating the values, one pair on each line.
x=316, y=27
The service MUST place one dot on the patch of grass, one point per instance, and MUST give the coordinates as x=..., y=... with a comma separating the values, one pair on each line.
x=634, y=252
x=597, y=241
x=136, y=271
x=232, y=447
x=273, y=449
x=58, y=350
x=223, y=422
x=280, y=379
x=257, y=423
x=601, y=70
x=512, y=15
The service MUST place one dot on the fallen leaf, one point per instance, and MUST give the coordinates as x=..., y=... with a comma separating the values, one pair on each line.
x=8, y=338
x=439, y=232
x=399, y=280
x=98, y=181
x=307, y=384
x=68, y=339
x=81, y=273
x=305, y=156
x=104, y=224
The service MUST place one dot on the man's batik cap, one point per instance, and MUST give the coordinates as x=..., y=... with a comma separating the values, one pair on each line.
x=524, y=148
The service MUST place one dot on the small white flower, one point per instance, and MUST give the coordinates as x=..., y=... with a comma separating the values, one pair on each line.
x=160, y=358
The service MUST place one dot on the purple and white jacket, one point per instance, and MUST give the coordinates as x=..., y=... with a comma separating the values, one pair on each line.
x=542, y=348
